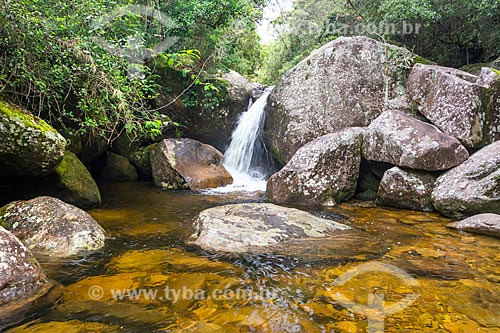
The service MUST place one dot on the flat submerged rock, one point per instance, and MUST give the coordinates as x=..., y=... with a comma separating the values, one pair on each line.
x=263, y=228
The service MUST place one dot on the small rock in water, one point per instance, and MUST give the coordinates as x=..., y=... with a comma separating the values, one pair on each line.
x=485, y=224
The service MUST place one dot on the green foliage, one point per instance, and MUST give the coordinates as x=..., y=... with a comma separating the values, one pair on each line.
x=51, y=63
x=54, y=68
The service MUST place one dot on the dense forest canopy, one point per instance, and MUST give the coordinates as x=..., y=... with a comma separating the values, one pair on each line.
x=58, y=59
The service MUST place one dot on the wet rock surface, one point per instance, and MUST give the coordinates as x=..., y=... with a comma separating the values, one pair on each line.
x=186, y=163
x=323, y=172
x=51, y=227
x=471, y=188
x=267, y=228
x=22, y=281
x=485, y=224
x=399, y=139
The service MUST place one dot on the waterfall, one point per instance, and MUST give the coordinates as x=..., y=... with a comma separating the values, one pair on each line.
x=245, y=157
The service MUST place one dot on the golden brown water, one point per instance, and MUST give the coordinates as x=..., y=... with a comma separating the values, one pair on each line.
x=456, y=276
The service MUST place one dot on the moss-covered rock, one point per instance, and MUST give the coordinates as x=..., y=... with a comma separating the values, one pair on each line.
x=73, y=183
x=118, y=168
x=28, y=145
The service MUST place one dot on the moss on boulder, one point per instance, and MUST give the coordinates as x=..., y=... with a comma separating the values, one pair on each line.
x=73, y=183
x=28, y=145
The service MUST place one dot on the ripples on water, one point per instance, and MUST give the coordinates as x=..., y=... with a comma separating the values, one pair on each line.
x=458, y=274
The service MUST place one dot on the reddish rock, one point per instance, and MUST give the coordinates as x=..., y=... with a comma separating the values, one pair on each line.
x=186, y=163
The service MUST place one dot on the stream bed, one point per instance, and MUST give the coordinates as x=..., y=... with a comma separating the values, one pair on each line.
x=148, y=280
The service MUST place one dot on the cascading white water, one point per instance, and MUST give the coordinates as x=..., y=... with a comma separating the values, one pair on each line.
x=242, y=149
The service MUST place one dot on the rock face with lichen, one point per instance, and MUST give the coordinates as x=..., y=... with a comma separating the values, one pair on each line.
x=51, y=227
x=399, y=139
x=460, y=104
x=472, y=187
x=267, y=228
x=188, y=164
x=346, y=83
x=484, y=224
x=28, y=145
x=323, y=172
x=22, y=280
x=408, y=189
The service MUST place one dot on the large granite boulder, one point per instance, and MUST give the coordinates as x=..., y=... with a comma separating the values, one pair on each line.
x=188, y=164
x=346, y=83
x=471, y=188
x=48, y=226
x=484, y=224
x=408, y=189
x=118, y=168
x=22, y=281
x=399, y=139
x=460, y=104
x=28, y=145
x=323, y=172
x=263, y=228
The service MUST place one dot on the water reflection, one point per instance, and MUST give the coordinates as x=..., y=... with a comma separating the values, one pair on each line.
x=458, y=274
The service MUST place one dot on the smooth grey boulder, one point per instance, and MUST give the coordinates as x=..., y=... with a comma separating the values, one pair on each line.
x=323, y=172
x=348, y=82
x=188, y=164
x=258, y=228
x=28, y=145
x=460, y=104
x=472, y=187
x=399, y=139
x=22, y=281
x=48, y=226
x=484, y=224
x=407, y=189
